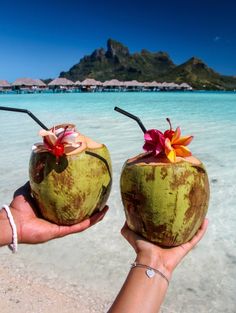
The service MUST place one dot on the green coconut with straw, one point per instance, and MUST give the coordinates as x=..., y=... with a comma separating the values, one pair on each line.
x=70, y=174
x=165, y=190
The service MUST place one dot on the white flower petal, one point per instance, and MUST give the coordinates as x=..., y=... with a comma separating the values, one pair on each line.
x=59, y=131
x=69, y=138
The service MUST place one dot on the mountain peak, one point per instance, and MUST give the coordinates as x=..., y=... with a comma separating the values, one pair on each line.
x=117, y=62
x=98, y=53
x=115, y=48
x=196, y=64
x=194, y=60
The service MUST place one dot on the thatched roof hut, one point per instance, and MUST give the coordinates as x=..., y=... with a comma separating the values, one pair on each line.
x=24, y=82
x=170, y=86
x=185, y=86
x=78, y=83
x=133, y=83
x=152, y=84
x=173, y=86
x=4, y=84
x=165, y=85
x=113, y=83
x=61, y=82
x=28, y=82
x=91, y=82
x=39, y=83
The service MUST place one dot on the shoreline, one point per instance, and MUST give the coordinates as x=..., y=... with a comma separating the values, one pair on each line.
x=128, y=92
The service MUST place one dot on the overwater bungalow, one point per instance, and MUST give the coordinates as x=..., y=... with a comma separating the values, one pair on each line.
x=22, y=84
x=28, y=85
x=152, y=86
x=164, y=86
x=113, y=85
x=40, y=85
x=61, y=84
x=173, y=86
x=78, y=83
x=170, y=86
x=90, y=84
x=4, y=86
x=185, y=86
x=133, y=85
x=77, y=86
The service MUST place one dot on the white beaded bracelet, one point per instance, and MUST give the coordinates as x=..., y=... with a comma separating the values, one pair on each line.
x=13, y=245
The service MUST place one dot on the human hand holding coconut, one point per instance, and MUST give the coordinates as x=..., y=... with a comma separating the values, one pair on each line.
x=158, y=257
x=165, y=193
x=31, y=227
x=145, y=288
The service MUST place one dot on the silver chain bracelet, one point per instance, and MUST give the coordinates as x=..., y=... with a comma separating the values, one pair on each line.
x=150, y=271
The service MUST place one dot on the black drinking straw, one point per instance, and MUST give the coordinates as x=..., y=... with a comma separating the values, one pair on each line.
x=25, y=111
x=137, y=119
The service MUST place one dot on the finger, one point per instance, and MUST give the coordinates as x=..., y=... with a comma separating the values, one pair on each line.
x=200, y=233
x=97, y=217
x=77, y=228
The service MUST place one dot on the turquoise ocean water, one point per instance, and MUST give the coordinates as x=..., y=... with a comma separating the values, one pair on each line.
x=209, y=116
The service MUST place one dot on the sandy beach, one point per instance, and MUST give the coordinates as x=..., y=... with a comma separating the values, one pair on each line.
x=25, y=289
x=84, y=272
x=51, y=282
x=22, y=291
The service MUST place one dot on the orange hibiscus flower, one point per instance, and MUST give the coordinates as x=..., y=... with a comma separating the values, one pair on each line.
x=175, y=145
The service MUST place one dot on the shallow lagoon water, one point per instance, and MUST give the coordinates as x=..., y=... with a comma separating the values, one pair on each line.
x=99, y=258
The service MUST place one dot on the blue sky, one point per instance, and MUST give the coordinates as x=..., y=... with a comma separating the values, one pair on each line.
x=39, y=39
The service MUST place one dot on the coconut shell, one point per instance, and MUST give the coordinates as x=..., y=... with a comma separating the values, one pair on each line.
x=71, y=188
x=164, y=202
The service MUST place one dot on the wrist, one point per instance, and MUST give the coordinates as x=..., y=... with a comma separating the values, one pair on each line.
x=5, y=227
x=9, y=229
x=155, y=261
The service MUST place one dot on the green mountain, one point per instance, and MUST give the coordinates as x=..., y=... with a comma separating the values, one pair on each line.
x=200, y=76
x=117, y=62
